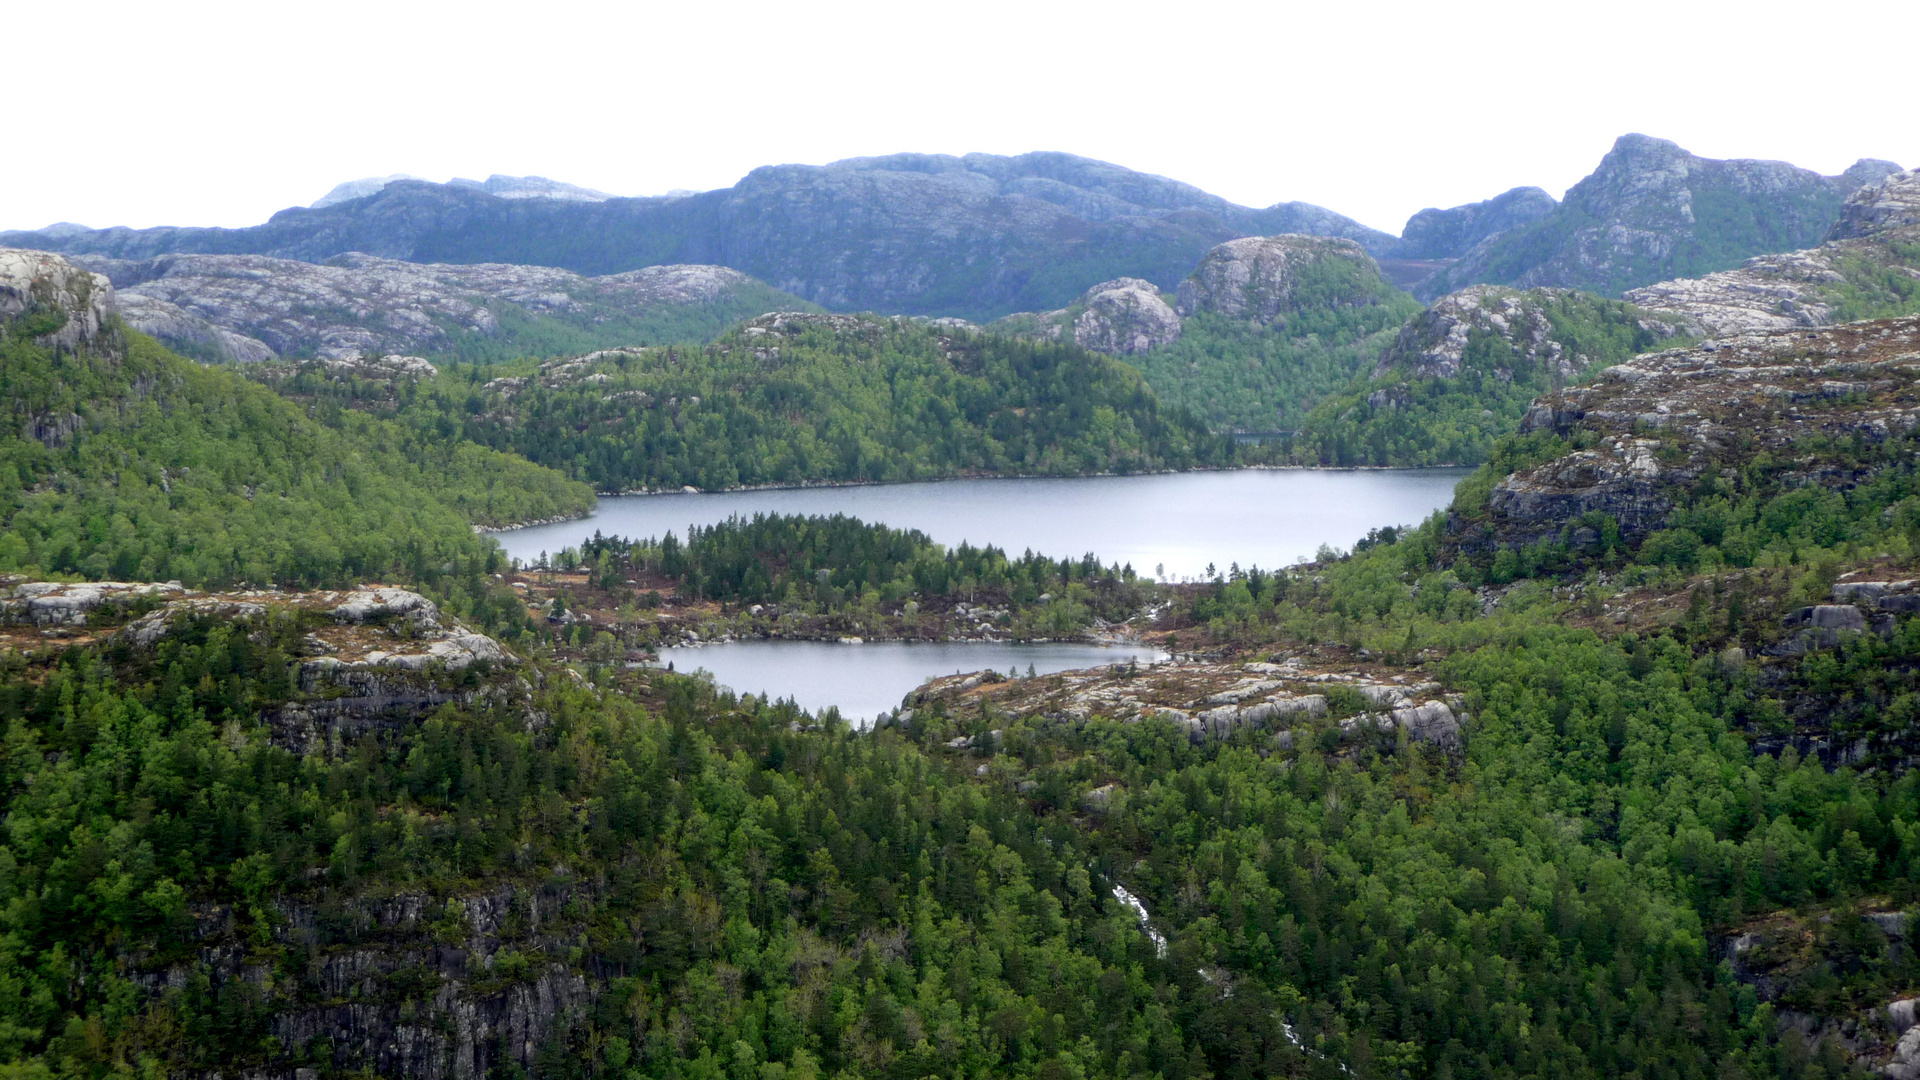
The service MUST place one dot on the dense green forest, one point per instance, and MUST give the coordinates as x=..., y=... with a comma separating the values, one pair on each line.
x=124, y=461
x=766, y=895
x=1240, y=376
x=828, y=398
x=210, y=861
x=1406, y=417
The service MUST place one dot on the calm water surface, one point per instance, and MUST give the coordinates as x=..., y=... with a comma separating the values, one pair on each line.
x=864, y=680
x=1182, y=521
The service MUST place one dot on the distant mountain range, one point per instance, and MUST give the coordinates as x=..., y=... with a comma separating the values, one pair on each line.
x=982, y=236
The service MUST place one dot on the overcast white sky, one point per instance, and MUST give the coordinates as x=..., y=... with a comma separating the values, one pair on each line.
x=207, y=113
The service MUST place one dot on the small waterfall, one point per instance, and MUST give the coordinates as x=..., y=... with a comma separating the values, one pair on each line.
x=1159, y=940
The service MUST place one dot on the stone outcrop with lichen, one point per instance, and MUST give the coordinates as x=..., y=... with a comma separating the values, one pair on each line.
x=46, y=297
x=1121, y=317
x=252, y=308
x=1869, y=264
x=1259, y=278
x=1652, y=211
x=1645, y=431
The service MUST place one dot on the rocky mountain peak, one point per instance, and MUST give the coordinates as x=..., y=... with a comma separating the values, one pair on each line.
x=1652, y=211
x=1864, y=172
x=52, y=300
x=1433, y=344
x=1446, y=234
x=1257, y=277
x=502, y=187
x=1891, y=205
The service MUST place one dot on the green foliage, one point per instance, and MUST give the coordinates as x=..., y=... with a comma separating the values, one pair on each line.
x=1404, y=419
x=132, y=463
x=885, y=401
x=830, y=562
x=1240, y=376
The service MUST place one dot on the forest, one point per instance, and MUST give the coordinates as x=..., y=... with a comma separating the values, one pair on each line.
x=655, y=878
x=124, y=461
x=814, y=398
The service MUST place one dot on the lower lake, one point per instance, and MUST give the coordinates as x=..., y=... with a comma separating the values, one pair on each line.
x=866, y=680
x=1173, y=524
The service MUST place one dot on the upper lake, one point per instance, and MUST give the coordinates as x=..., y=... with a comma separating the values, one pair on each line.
x=1179, y=521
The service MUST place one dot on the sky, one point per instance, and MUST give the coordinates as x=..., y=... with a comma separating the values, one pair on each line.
x=209, y=113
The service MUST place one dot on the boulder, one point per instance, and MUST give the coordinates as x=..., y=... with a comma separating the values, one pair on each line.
x=1429, y=722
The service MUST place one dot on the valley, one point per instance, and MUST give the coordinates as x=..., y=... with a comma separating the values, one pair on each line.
x=1101, y=677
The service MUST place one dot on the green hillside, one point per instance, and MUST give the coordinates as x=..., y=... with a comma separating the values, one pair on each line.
x=786, y=400
x=122, y=460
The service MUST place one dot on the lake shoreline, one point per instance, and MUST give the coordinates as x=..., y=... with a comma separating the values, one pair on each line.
x=820, y=485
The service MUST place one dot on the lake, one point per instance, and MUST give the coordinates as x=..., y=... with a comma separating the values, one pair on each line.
x=865, y=680
x=1177, y=521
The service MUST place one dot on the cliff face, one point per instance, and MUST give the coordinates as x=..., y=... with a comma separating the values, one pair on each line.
x=252, y=308
x=414, y=983
x=1653, y=211
x=51, y=300
x=976, y=236
x=1869, y=265
x=1646, y=430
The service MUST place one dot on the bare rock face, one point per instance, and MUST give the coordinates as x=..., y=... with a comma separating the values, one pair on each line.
x=58, y=303
x=1433, y=344
x=1125, y=316
x=1121, y=317
x=1256, y=277
x=1888, y=207
x=1652, y=211
x=251, y=308
x=1801, y=288
x=1665, y=420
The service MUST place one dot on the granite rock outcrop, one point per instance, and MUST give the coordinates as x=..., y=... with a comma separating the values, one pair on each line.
x=52, y=300
x=1645, y=430
x=1652, y=211
x=1121, y=317
x=251, y=308
x=1258, y=278
x=976, y=236
x=1868, y=256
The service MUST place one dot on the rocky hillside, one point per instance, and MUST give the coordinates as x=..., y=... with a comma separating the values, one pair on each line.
x=1869, y=266
x=1434, y=239
x=1638, y=442
x=1653, y=211
x=1121, y=317
x=51, y=301
x=1262, y=278
x=977, y=236
x=1459, y=375
x=251, y=308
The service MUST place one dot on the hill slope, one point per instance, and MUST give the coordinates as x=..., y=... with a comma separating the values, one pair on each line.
x=1652, y=211
x=253, y=307
x=119, y=459
x=795, y=398
x=978, y=236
